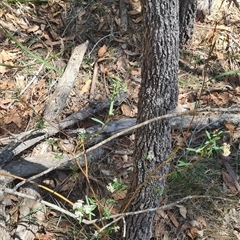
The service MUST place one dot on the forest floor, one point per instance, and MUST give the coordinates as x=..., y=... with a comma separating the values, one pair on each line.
x=36, y=41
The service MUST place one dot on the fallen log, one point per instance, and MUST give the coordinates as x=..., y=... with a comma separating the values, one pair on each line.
x=28, y=166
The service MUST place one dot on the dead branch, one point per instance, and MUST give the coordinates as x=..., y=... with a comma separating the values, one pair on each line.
x=58, y=99
x=9, y=152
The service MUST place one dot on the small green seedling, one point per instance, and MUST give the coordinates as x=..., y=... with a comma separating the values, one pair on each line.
x=81, y=209
x=116, y=87
x=210, y=146
x=40, y=125
x=98, y=121
x=183, y=164
x=116, y=185
x=58, y=156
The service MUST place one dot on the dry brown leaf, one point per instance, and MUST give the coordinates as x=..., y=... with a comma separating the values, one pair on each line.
x=119, y=195
x=15, y=118
x=133, y=12
x=2, y=106
x=229, y=126
x=182, y=210
x=127, y=111
x=173, y=219
x=119, y=64
x=33, y=29
x=136, y=4
x=130, y=53
x=201, y=221
x=237, y=234
x=2, y=68
x=229, y=182
x=45, y=236
x=5, y=55
x=220, y=56
x=136, y=72
x=191, y=105
x=86, y=87
x=237, y=90
x=162, y=214
x=102, y=50
x=50, y=214
x=192, y=232
x=221, y=99
x=138, y=19
x=20, y=81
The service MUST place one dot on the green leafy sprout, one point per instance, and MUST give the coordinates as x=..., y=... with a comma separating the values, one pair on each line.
x=58, y=156
x=116, y=185
x=210, y=146
x=82, y=209
x=40, y=125
x=116, y=85
x=182, y=163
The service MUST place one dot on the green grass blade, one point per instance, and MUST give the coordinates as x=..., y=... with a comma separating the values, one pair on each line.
x=39, y=59
x=227, y=74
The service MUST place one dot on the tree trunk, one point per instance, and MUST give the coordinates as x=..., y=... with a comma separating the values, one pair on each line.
x=187, y=16
x=158, y=96
x=189, y=12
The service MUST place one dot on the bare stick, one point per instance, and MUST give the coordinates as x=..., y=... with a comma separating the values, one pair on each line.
x=65, y=84
x=77, y=156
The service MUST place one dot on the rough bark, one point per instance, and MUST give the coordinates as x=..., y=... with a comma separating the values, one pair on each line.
x=158, y=96
x=187, y=16
x=189, y=12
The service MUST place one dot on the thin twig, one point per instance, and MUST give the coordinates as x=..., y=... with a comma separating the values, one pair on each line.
x=165, y=207
x=28, y=85
x=130, y=130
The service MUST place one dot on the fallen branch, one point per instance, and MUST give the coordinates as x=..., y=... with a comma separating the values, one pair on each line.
x=32, y=165
x=58, y=99
x=31, y=138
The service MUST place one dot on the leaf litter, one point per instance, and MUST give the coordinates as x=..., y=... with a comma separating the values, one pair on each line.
x=51, y=30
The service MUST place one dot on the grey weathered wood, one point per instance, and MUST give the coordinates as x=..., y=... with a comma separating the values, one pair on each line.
x=27, y=166
x=34, y=137
x=58, y=99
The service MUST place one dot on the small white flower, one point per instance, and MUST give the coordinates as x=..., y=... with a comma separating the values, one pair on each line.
x=88, y=209
x=78, y=214
x=116, y=228
x=110, y=188
x=78, y=204
x=96, y=234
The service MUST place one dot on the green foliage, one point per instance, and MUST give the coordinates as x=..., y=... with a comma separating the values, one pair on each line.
x=58, y=156
x=183, y=164
x=116, y=185
x=36, y=57
x=159, y=192
x=210, y=146
x=98, y=121
x=86, y=209
x=40, y=125
x=106, y=213
x=88, y=60
x=116, y=86
x=111, y=201
x=227, y=74
x=83, y=136
x=51, y=141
